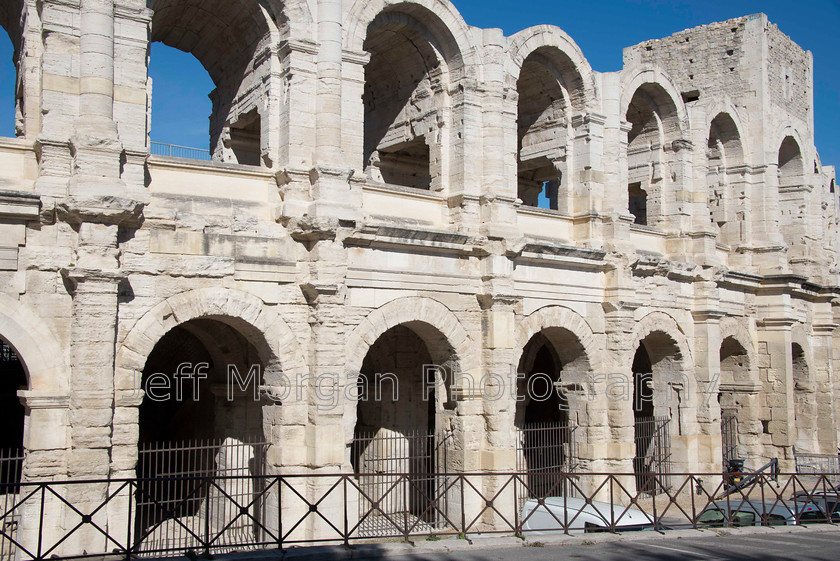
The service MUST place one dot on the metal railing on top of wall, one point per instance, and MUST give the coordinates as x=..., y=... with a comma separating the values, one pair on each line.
x=183, y=152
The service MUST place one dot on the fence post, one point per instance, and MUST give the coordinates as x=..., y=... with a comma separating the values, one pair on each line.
x=280, y=512
x=346, y=522
x=41, y=522
x=128, y=544
x=405, y=484
x=463, y=514
x=207, y=519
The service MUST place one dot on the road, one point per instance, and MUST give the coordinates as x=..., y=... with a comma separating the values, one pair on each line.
x=802, y=545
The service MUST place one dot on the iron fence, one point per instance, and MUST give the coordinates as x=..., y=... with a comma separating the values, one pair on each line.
x=11, y=464
x=816, y=463
x=68, y=519
x=652, y=463
x=183, y=152
x=400, y=502
x=174, y=502
x=729, y=435
x=543, y=449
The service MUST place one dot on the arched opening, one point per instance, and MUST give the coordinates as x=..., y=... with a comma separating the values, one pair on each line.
x=804, y=402
x=543, y=120
x=228, y=41
x=724, y=179
x=11, y=104
x=738, y=412
x=654, y=123
x=403, y=424
x=12, y=416
x=790, y=163
x=792, y=204
x=406, y=114
x=201, y=417
x=181, y=108
x=657, y=383
x=831, y=186
x=552, y=368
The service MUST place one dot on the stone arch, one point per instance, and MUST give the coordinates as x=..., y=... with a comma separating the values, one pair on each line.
x=664, y=323
x=792, y=190
x=220, y=37
x=439, y=16
x=556, y=42
x=260, y=325
x=738, y=393
x=227, y=38
x=11, y=14
x=731, y=328
x=725, y=185
x=665, y=343
x=662, y=385
x=396, y=340
x=44, y=360
x=416, y=57
x=552, y=86
x=433, y=322
x=633, y=79
x=555, y=352
x=791, y=162
x=564, y=319
x=656, y=115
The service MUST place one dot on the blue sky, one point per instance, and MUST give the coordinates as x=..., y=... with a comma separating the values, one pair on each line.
x=601, y=29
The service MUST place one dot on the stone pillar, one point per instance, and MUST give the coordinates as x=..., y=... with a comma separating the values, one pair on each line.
x=768, y=243
x=497, y=391
x=774, y=348
x=132, y=94
x=325, y=434
x=824, y=381
x=46, y=443
x=585, y=181
x=462, y=174
x=328, y=99
x=707, y=342
x=619, y=447
x=499, y=114
x=96, y=142
x=92, y=384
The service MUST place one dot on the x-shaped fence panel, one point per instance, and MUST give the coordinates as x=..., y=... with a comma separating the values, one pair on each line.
x=81, y=519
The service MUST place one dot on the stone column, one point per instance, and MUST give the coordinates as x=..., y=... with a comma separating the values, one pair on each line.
x=95, y=138
x=586, y=176
x=324, y=289
x=774, y=348
x=768, y=243
x=497, y=392
x=824, y=376
x=46, y=443
x=619, y=447
x=328, y=99
x=707, y=341
x=92, y=382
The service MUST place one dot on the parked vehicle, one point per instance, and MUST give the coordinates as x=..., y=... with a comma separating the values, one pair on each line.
x=580, y=517
x=749, y=512
x=828, y=502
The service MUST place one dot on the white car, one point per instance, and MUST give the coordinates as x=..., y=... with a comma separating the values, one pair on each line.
x=580, y=517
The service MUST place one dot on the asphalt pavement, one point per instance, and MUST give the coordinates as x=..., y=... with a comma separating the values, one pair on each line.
x=814, y=543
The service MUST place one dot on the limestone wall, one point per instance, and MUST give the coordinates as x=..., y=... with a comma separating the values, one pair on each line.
x=375, y=206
